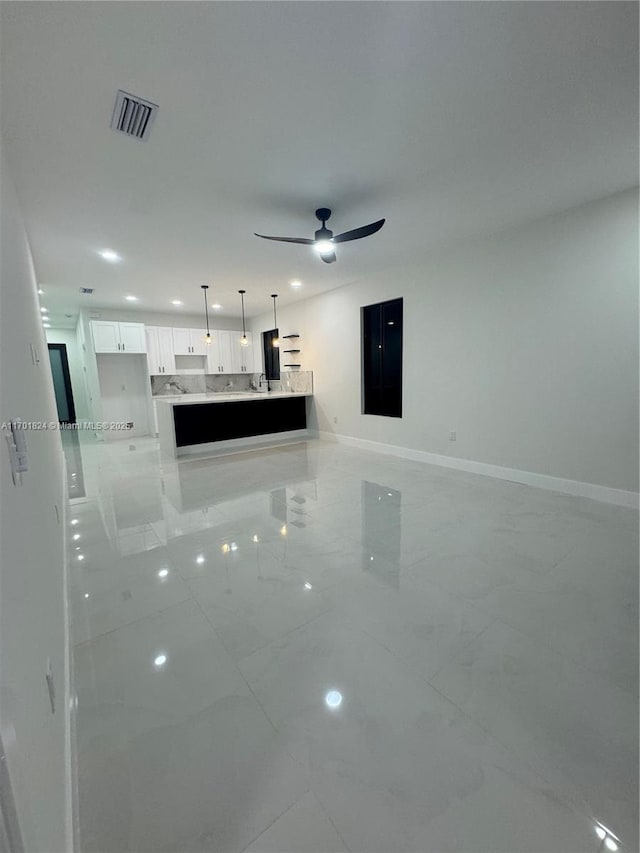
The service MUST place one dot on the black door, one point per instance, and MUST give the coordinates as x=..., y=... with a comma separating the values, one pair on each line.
x=62, y=383
x=382, y=358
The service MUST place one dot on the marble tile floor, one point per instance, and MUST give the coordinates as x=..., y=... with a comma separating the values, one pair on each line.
x=314, y=648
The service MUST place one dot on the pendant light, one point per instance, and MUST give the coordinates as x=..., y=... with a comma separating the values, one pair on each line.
x=244, y=342
x=276, y=341
x=207, y=337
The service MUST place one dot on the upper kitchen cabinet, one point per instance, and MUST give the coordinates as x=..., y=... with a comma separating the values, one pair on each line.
x=190, y=342
x=247, y=355
x=132, y=337
x=227, y=355
x=220, y=353
x=160, y=355
x=111, y=336
x=199, y=342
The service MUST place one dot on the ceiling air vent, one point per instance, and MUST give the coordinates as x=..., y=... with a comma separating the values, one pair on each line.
x=86, y=290
x=133, y=116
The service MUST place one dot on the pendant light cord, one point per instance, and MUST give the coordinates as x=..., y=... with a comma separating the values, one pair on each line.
x=244, y=331
x=205, y=287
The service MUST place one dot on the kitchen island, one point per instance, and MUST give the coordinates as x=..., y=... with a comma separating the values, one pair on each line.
x=204, y=423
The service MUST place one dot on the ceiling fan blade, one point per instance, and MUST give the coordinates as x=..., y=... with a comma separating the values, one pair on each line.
x=357, y=233
x=305, y=240
x=329, y=259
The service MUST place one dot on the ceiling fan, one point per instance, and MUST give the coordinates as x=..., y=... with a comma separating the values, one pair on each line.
x=324, y=241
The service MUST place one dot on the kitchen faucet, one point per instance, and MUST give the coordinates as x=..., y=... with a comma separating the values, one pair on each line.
x=261, y=380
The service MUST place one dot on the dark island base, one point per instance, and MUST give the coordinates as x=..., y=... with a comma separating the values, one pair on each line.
x=205, y=422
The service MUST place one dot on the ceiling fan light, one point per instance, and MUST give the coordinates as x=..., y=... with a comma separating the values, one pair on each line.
x=323, y=247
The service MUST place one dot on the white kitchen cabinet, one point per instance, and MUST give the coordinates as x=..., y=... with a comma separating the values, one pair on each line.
x=132, y=337
x=256, y=353
x=234, y=360
x=181, y=342
x=111, y=336
x=199, y=345
x=219, y=352
x=190, y=342
x=224, y=352
x=106, y=336
x=160, y=355
x=226, y=355
x=247, y=356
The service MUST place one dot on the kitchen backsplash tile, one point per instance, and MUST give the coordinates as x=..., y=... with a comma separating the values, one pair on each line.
x=300, y=381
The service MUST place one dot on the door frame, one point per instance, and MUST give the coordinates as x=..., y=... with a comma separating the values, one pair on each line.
x=67, y=382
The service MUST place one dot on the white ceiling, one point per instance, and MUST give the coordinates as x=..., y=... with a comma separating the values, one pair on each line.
x=450, y=119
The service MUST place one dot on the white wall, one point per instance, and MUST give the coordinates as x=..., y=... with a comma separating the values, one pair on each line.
x=32, y=579
x=124, y=392
x=524, y=344
x=154, y=318
x=69, y=338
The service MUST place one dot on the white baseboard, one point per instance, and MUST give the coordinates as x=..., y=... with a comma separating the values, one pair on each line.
x=234, y=445
x=619, y=497
x=68, y=705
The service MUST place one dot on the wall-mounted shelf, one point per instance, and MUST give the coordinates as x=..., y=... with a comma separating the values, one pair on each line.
x=292, y=341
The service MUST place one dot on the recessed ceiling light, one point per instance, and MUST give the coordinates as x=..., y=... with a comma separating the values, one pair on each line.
x=160, y=660
x=177, y=302
x=333, y=699
x=47, y=325
x=131, y=298
x=109, y=255
x=216, y=306
x=40, y=291
x=44, y=310
x=296, y=284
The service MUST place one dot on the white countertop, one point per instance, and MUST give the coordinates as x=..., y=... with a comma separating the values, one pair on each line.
x=225, y=397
